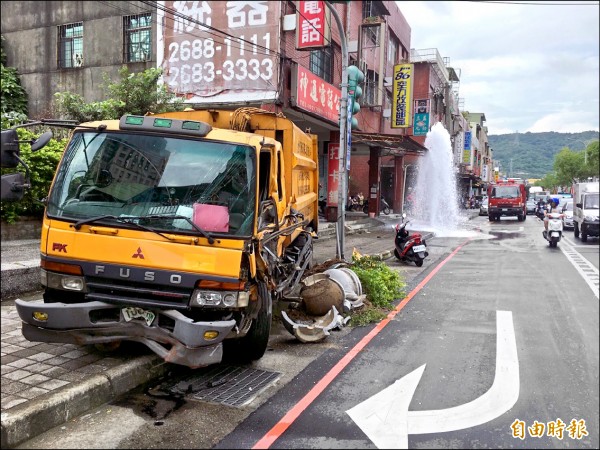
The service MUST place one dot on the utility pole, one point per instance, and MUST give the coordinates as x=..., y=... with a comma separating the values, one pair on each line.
x=343, y=149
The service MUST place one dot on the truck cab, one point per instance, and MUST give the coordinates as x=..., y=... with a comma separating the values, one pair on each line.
x=177, y=230
x=586, y=203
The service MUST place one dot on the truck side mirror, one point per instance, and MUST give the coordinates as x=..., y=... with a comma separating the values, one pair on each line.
x=13, y=187
x=14, y=184
x=9, y=149
x=579, y=205
x=41, y=141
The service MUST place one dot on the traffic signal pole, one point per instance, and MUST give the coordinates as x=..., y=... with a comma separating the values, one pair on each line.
x=343, y=149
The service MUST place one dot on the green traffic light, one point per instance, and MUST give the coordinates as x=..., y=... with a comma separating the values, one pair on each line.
x=355, y=76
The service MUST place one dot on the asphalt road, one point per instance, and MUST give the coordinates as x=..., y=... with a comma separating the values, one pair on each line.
x=480, y=291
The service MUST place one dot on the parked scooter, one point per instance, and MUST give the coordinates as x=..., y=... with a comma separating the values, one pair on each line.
x=322, y=206
x=383, y=205
x=409, y=247
x=555, y=229
x=356, y=202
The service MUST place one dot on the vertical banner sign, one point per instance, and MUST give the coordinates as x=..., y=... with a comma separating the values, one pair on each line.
x=402, y=96
x=467, y=148
x=333, y=174
x=349, y=108
x=312, y=25
x=421, y=122
x=216, y=51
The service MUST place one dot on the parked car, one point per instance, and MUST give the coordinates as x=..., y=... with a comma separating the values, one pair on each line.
x=566, y=207
x=483, y=208
x=531, y=206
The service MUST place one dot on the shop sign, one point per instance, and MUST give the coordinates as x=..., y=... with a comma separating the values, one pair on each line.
x=402, y=96
x=312, y=25
x=214, y=51
x=313, y=94
x=333, y=175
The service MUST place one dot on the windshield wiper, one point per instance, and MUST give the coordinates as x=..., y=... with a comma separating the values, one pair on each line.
x=77, y=225
x=130, y=221
x=207, y=235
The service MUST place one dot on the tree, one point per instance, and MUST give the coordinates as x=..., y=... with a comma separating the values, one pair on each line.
x=568, y=166
x=550, y=182
x=590, y=160
x=135, y=93
x=14, y=97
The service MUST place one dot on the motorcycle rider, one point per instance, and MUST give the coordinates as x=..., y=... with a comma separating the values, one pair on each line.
x=553, y=210
x=541, y=207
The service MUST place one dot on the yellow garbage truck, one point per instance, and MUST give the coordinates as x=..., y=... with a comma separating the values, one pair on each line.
x=179, y=230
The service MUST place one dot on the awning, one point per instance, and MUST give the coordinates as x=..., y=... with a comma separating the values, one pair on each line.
x=396, y=145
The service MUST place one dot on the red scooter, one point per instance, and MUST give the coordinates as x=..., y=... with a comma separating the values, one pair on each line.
x=409, y=247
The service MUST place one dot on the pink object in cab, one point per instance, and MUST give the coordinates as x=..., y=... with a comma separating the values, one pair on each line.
x=211, y=217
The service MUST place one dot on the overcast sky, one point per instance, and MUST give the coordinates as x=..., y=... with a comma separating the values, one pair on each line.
x=528, y=66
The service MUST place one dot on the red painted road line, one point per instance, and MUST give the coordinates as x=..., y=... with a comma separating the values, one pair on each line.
x=279, y=428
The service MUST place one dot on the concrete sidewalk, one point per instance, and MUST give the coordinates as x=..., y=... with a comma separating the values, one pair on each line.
x=43, y=385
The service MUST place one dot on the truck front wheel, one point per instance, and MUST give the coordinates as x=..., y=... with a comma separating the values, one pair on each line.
x=253, y=346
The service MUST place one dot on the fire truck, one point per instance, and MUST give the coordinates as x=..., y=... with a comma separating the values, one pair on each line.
x=507, y=198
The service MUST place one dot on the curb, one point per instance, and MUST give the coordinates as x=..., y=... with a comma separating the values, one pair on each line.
x=19, y=278
x=36, y=417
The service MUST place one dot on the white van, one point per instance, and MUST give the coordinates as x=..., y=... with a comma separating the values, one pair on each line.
x=586, y=210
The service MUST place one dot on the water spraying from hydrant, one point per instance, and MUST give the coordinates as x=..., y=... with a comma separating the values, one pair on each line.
x=436, y=195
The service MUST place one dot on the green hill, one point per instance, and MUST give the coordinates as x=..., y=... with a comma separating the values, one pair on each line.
x=531, y=155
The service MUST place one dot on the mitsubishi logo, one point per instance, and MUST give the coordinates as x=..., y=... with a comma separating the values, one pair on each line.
x=138, y=254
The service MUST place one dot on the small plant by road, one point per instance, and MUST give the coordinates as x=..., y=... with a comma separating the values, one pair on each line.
x=381, y=285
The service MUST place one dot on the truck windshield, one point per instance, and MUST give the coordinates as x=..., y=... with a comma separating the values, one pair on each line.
x=199, y=186
x=591, y=201
x=505, y=192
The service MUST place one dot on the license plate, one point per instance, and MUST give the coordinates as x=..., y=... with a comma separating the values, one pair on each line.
x=504, y=209
x=555, y=234
x=131, y=313
x=419, y=248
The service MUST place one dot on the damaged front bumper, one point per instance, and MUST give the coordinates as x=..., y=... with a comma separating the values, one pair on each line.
x=171, y=335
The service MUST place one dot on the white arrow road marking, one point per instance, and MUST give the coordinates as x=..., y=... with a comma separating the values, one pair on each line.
x=385, y=418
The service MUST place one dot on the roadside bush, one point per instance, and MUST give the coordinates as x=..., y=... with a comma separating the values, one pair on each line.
x=134, y=93
x=42, y=166
x=381, y=285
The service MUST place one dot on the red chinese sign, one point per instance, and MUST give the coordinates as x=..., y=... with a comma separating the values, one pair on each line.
x=315, y=95
x=333, y=177
x=312, y=25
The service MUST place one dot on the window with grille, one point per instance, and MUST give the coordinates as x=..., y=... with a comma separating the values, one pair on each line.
x=370, y=96
x=370, y=35
x=371, y=8
x=392, y=49
x=321, y=63
x=137, y=31
x=70, y=45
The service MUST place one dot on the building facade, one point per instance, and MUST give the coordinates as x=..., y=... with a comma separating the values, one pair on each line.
x=282, y=56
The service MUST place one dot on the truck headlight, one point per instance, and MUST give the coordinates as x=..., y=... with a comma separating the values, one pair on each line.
x=590, y=218
x=220, y=299
x=61, y=281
